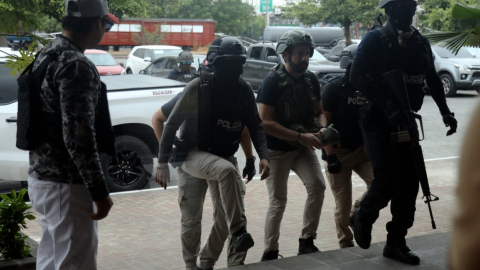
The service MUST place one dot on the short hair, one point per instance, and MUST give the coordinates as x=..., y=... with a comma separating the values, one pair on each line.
x=81, y=25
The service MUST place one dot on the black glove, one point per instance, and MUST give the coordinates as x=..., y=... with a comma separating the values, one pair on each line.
x=249, y=168
x=334, y=164
x=450, y=121
x=393, y=114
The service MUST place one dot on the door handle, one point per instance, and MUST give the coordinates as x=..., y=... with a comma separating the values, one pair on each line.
x=12, y=119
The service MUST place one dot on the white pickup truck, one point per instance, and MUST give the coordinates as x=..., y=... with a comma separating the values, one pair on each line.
x=133, y=99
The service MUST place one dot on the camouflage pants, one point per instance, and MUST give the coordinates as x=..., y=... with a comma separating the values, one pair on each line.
x=191, y=197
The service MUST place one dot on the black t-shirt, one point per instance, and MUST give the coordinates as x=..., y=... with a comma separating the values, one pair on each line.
x=167, y=108
x=269, y=94
x=339, y=98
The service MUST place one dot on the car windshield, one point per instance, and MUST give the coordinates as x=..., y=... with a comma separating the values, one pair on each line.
x=8, y=91
x=101, y=59
x=474, y=51
x=444, y=53
x=317, y=57
x=166, y=52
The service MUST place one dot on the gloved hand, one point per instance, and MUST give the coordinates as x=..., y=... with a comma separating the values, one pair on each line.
x=249, y=168
x=393, y=113
x=334, y=164
x=450, y=121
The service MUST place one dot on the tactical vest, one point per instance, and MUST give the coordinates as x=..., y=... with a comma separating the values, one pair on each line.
x=222, y=116
x=298, y=104
x=184, y=76
x=346, y=117
x=415, y=62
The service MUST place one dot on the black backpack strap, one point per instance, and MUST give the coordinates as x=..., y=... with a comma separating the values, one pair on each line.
x=204, y=110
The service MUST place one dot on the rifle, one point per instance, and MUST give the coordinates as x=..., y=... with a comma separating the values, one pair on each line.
x=409, y=133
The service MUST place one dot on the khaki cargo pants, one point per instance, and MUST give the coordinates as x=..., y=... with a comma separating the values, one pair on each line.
x=341, y=185
x=306, y=165
x=227, y=190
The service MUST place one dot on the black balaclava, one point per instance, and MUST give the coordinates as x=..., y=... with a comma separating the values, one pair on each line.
x=401, y=17
x=296, y=68
x=228, y=69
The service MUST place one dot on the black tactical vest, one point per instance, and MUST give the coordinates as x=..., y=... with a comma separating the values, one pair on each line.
x=184, y=76
x=298, y=104
x=222, y=115
x=414, y=61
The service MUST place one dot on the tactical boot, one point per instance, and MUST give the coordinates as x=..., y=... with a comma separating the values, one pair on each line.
x=242, y=241
x=306, y=246
x=401, y=253
x=271, y=255
x=361, y=232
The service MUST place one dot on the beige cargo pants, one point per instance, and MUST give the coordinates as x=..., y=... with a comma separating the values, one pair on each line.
x=227, y=190
x=341, y=184
x=306, y=165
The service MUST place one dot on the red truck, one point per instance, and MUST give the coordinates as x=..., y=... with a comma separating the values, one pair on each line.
x=177, y=32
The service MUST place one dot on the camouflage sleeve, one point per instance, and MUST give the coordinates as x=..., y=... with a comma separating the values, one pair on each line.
x=79, y=89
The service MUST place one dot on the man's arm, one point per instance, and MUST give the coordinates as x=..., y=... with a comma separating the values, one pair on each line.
x=158, y=121
x=328, y=117
x=246, y=143
x=78, y=100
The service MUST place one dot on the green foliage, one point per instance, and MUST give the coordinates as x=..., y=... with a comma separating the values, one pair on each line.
x=17, y=64
x=13, y=216
x=17, y=15
x=438, y=16
x=151, y=38
x=258, y=26
x=306, y=11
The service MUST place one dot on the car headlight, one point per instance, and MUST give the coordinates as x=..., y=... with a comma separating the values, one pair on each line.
x=462, y=67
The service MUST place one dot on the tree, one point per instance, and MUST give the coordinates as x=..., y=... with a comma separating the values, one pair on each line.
x=17, y=17
x=151, y=38
x=437, y=16
x=306, y=11
x=258, y=26
x=454, y=40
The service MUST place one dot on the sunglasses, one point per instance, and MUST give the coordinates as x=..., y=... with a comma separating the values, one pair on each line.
x=186, y=63
x=108, y=24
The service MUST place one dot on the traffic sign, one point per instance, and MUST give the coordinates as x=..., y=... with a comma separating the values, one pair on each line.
x=262, y=6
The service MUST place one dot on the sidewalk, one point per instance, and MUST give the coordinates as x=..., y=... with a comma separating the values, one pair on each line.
x=143, y=228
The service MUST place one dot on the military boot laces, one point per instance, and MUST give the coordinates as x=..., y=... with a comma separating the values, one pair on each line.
x=271, y=255
x=401, y=253
x=306, y=246
x=362, y=232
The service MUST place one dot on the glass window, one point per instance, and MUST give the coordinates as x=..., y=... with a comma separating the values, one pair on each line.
x=317, y=57
x=124, y=27
x=170, y=64
x=101, y=59
x=8, y=91
x=166, y=52
x=444, y=53
x=156, y=67
x=135, y=28
x=198, y=29
x=176, y=28
x=165, y=28
x=147, y=54
x=187, y=28
x=256, y=53
x=270, y=52
x=139, y=53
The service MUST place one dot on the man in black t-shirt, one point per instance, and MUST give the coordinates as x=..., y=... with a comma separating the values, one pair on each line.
x=192, y=191
x=341, y=104
x=291, y=111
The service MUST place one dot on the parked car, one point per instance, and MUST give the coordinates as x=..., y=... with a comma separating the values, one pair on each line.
x=141, y=56
x=461, y=71
x=104, y=62
x=132, y=101
x=262, y=57
x=335, y=48
x=164, y=65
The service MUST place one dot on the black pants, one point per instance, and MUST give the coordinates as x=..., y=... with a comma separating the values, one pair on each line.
x=395, y=181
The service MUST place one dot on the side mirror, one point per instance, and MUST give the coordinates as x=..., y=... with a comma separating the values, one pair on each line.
x=147, y=59
x=334, y=58
x=273, y=59
x=142, y=72
x=122, y=65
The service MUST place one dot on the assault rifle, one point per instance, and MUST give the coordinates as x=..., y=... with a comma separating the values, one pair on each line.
x=408, y=132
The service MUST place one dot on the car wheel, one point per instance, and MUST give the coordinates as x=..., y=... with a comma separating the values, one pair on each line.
x=129, y=71
x=448, y=85
x=133, y=166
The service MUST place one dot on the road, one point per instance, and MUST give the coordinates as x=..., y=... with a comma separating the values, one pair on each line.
x=436, y=145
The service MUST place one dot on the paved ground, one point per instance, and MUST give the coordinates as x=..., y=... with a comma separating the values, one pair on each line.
x=431, y=248
x=142, y=231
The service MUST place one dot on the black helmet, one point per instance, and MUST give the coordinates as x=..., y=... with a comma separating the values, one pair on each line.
x=184, y=56
x=226, y=47
x=347, y=55
x=295, y=37
x=383, y=3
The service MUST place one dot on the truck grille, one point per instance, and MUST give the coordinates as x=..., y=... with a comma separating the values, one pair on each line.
x=476, y=75
x=475, y=67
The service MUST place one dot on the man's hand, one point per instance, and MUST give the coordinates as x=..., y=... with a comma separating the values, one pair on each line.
x=450, y=121
x=103, y=207
x=264, y=169
x=162, y=177
x=249, y=169
x=334, y=164
x=310, y=141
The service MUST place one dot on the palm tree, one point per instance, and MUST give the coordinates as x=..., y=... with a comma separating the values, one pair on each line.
x=454, y=40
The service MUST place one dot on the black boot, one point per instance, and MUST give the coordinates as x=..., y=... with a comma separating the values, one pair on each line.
x=242, y=241
x=401, y=253
x=198, y=268
x=271, y=255
x=306, y=246
x=361, y=232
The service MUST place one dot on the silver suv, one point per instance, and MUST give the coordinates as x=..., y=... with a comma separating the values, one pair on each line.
x=461, y=71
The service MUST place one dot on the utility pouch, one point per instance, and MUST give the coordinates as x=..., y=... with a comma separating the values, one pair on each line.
x=180, y=152
x=400, y=137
